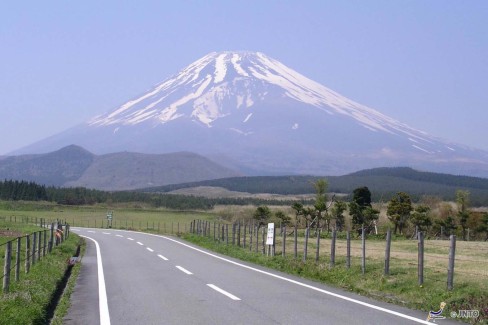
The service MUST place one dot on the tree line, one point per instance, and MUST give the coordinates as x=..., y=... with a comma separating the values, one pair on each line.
x=30, y=191
x=428, y=215
x=434, y=218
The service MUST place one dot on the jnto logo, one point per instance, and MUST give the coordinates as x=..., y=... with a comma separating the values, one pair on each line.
x=433, y=315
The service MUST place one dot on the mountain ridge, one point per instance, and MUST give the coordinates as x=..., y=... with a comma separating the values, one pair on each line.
x=73, y=166
x=383, y=183
x=267, y=118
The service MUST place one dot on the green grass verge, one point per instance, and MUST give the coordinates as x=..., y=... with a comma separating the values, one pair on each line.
x=29, y=299
x=64, y=303
x=400, y=287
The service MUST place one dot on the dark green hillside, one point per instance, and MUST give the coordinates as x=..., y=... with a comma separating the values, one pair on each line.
x=255, y=184
x=54, y=168
x=383, y=183
x=437, y=178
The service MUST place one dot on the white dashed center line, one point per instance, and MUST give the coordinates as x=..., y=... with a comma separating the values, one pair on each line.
x=140, y=243
x=130, y=239
x=183, y=270
x=119, y=236
x=106, y=233
x=231, y=296
x=162, y=257
x=150, y=249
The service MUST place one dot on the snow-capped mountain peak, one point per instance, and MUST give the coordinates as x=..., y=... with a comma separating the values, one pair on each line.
x=202, y=90
x=255, y=112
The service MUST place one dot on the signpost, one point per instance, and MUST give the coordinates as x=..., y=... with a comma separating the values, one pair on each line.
x=270, y=239
x=109, y=219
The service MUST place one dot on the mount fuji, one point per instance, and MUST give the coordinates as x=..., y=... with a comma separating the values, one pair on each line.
x=252, y=113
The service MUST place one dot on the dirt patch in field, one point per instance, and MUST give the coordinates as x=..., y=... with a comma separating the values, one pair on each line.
x=10, y=233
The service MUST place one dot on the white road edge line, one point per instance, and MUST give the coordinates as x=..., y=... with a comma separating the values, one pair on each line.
x=388, y=311
x=162, y=257
x=150, y=249
x=102, y=291
x=183, y=270
x=230, y=295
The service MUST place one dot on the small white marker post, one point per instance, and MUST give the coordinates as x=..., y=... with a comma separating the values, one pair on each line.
x=270, y=239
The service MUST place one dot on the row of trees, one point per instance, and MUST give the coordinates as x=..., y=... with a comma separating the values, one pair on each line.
x=400, y=210
x=22, y=190
x=29, y=191
x=319, y=213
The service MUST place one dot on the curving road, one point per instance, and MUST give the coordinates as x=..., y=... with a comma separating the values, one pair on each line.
x=136, y=278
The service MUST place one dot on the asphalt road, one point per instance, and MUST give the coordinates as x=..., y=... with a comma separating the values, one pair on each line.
x=136, y=278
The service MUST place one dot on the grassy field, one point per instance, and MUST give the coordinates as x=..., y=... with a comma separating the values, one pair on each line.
x=133, y=217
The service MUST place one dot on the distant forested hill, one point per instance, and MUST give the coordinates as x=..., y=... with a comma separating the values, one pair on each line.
x=382, y=182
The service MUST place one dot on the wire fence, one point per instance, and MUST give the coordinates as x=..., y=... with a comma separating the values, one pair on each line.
x=432, y=260
x=23, y=252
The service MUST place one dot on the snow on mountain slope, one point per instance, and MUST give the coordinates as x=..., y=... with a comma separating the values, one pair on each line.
x=200, y=84
x=260, y=115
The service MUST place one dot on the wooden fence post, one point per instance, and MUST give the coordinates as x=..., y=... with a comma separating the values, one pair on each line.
x=34, y=247
x=450, y=267
x=363, y=259
x=317, y=251
x=17, y=259
x=45, y=243
x=332, y=248
x=283, y=244
x=245, y=235
x=51, y=240
x=295, y=243
x=420, y=270
x=257, y=238
x=387, y=252
x=348, y=249
x=239, y=234
x=27, y=254
x=263, y=239
x=227, y=233
x=305, y=248
x=6, y=269
x=39, y=245
x=251, y=229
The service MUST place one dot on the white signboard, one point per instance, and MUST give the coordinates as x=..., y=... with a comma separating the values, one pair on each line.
x=270, y=237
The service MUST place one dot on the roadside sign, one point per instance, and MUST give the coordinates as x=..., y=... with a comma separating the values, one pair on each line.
x=270, y=236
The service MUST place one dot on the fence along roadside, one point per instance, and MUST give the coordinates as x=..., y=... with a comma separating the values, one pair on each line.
x=202, y=228
x=33, y=253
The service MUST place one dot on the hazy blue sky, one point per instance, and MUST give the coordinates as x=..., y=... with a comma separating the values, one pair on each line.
x=424, y=63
